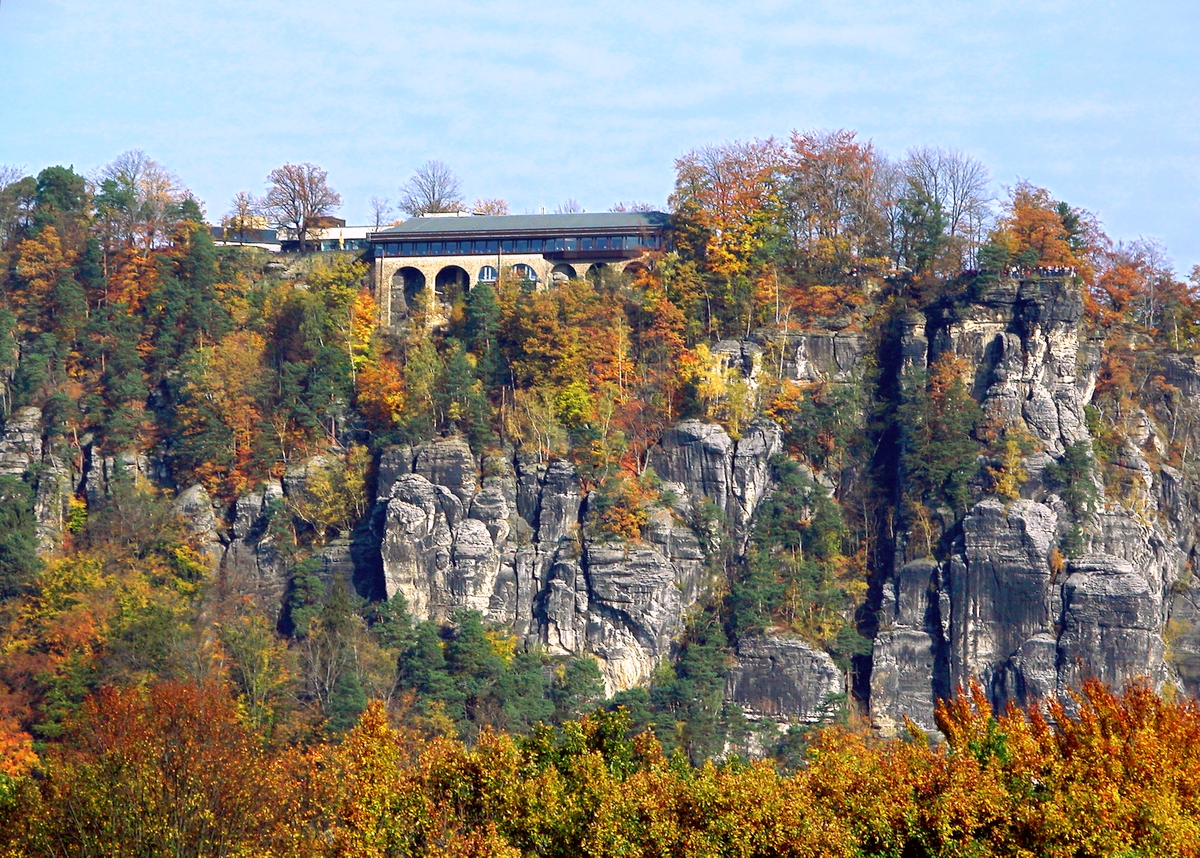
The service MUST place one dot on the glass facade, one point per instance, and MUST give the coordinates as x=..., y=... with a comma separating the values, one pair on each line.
x=491, y=247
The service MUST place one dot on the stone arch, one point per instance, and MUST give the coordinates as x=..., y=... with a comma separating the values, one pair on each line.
x=452, y=283
x=633, y=269
x=563, y=271
x=521, y=271
x=407, y=283
x=597, y=270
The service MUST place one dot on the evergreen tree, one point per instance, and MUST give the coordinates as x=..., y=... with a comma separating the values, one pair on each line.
x=122, y=380
x=481, y=321
x=477, y=669
x=61, y=201
x=459, y=399
x=577, y=687
x=19, y=562
x=693, y=694
x=938, y=419
x=423, y=668
x=184, y=308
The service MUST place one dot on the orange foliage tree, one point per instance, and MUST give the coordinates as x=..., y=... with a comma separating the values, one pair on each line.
x=724, y=197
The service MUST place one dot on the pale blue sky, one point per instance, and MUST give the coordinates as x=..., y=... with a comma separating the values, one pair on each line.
x=536, y=102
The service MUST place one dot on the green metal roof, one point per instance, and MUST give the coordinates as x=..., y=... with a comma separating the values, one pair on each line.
x=514, y=224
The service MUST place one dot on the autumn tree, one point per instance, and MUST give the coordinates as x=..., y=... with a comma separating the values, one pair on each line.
x=297, y=194
x=490, y=207
x=432, y=188
x=724, y=200
x=151, y=193
x=832, y=198
x=1135, y=284
x=1037, y=230
x=243, y=216
x=170, y=768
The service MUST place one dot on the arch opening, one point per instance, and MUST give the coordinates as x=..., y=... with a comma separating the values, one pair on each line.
x=562, y=272
x=407, y=283
x=451, y=284
x=523, y=272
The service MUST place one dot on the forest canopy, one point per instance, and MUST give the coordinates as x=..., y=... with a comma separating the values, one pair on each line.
x=143, y=689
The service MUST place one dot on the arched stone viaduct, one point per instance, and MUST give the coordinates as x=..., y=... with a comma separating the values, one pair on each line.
x=399, y=280
x=442, y=257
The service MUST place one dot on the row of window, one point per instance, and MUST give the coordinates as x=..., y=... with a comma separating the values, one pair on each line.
x=518, y=245
x=487, y=274
x=344, y=244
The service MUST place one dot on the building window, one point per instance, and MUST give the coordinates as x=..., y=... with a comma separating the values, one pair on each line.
x=506, y=245
x=524, y=272
x=488, y=274
x=493, y=246
x=522, y=245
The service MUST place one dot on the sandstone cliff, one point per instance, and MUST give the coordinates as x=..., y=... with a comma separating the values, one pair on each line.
x=1027, y=594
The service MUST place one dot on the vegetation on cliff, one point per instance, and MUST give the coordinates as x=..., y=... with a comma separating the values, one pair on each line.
x=163, y=361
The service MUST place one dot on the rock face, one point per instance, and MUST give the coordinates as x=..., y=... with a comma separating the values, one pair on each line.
x=823, y=356
x=1007, y=608
x=21, y=444
x=25, y=455
x=195, y=507
x=699, y=461
x=513, y=537
x=252, y=561
x=783, y=679
x=507, y=537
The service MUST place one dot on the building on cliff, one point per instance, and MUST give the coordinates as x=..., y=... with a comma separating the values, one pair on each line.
x=325, y=235
x=452, y=251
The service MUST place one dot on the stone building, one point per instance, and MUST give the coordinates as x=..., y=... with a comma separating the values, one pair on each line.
x=452, y=252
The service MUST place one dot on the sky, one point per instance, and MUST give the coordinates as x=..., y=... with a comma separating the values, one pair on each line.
x=539, y=102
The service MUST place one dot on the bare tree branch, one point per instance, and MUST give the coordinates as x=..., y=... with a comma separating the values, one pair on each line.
x=299, y=193
x=490, y=207
x=958, y=184
x=244, y=215
x=432, y=188
x=381, y=211
x=633, y=207
x=153, y=190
